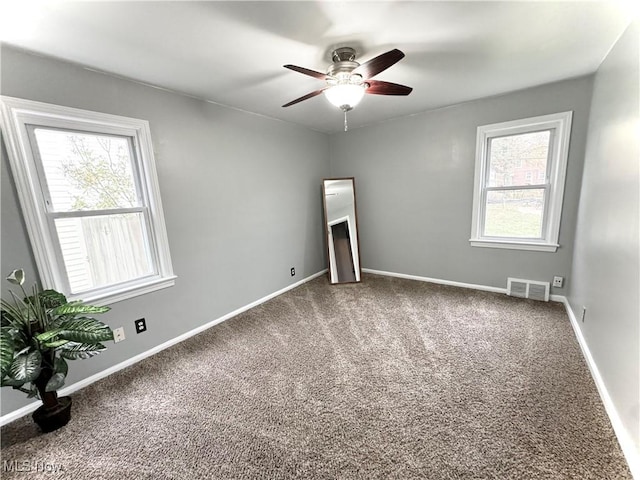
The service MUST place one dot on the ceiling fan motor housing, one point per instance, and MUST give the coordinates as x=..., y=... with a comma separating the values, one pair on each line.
x=344, y=63
x=343, y=54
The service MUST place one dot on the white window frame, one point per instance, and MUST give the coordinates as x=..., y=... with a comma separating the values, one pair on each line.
x=16, y=116
x=560, y=124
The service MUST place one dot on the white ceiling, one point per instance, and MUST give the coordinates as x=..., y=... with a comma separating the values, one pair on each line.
x=232, y=53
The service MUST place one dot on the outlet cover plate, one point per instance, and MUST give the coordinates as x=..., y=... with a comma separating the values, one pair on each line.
x=118, y=334
x=141, y=325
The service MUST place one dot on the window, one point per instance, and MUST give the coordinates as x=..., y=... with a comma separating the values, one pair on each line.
x=88, y=188
x=522, y=211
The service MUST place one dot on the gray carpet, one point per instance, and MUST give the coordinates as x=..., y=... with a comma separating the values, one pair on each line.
x=389, y=378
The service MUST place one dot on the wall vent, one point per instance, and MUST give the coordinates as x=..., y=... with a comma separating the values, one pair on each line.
x=516, y=287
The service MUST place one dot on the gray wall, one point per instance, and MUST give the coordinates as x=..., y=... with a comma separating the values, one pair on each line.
x=607, y=252
x=414, y=178
x=241, y=196
x=242, y=204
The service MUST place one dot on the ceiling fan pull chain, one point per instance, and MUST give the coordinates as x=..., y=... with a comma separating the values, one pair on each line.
x=345, y=120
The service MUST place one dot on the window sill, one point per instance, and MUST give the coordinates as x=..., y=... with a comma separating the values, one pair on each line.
x=514, y=245
x=117, y=294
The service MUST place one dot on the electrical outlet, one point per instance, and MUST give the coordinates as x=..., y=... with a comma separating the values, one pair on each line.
x=558, y=281
x=293, y=271
x=141, y=325
x=118, y=334
x=584, y=312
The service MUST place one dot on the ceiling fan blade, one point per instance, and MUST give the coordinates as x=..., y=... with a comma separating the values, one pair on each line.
x=377, y=87
x=305, y=97
x=378, y=64
x=306, y=71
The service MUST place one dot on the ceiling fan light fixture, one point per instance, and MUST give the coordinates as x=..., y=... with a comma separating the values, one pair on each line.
x=347, y=80
x=345, y=96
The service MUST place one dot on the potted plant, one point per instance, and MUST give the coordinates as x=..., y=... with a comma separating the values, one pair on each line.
x=39, y=333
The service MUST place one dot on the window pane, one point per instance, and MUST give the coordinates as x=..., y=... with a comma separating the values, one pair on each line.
x=104, y=250
x=86, y=171
x=518, y=159
x=514, y=213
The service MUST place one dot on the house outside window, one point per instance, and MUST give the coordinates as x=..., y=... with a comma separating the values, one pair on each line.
x=523, y=213
x=528, y=176
x=541, y=176
x=88, y=189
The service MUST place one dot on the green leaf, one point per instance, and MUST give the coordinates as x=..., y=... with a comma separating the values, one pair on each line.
x=75, y=351
x=15, y=334
x=77, y=309
x=55, y=382
x=23, y=350
x=43, y=337
x=20, y=338
x=10, y=382
x=60, y=366
x=52, y=299
x=26, y=367
x=85, y=330
x=54, y=344
x=7, y=347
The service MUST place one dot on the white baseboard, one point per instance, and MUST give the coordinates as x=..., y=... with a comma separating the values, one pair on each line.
x=27, y=409
x=473, y=286
x=626, y=442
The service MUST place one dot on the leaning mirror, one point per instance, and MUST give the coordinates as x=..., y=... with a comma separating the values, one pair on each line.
x=341, y=230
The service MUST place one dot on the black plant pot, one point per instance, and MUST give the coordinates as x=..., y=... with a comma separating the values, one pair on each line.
x=53, y=418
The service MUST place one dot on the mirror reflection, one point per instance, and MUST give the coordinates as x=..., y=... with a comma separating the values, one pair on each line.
x=341, y=230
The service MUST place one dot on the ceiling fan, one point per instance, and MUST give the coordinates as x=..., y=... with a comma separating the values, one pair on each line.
x=347, y=80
